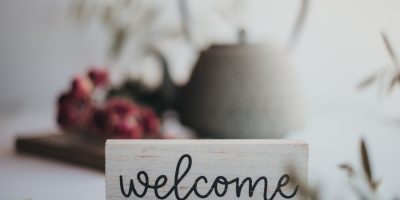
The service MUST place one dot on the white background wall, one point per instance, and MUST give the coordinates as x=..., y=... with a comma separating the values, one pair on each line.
x=41, y=48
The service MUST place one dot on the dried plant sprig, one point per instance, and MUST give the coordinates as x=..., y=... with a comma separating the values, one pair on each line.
x=374, y=184
x=365, y=161
x=390, y=50
x=368, y=81
x=348, y=168
x=366, y=191
x=393, y=73
x=311, y=193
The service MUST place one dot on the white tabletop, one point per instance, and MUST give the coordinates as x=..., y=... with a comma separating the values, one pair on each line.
x=332, y=133
x=32, y=177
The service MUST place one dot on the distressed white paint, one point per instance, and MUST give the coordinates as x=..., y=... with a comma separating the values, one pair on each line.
x=210, y=158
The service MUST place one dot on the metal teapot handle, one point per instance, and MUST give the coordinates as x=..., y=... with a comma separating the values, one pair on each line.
x=292, y=41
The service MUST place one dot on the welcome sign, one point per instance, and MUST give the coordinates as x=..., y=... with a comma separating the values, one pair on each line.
x=205, y=169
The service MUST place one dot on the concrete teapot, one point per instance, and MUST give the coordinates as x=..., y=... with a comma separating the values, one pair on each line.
x=240, y=91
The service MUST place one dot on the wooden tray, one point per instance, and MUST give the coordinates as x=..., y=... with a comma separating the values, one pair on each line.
x=77, y=149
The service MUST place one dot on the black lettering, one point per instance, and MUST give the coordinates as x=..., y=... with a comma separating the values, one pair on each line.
x=162, y=180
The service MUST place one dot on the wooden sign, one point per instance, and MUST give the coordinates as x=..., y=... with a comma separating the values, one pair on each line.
x=205, y=169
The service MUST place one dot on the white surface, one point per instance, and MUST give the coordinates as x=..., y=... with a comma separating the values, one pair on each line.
x=29, y=177
x=333, y=133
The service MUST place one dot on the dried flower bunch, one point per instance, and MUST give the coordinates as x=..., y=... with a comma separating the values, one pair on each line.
x=85, y=109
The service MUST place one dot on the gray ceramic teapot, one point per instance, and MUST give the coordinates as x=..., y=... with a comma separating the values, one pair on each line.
x=240, y=91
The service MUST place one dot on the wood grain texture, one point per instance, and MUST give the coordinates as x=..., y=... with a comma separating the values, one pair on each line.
x=231, y=159
x=71, y=148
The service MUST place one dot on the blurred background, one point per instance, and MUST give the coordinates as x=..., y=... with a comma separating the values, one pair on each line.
x=43, y=45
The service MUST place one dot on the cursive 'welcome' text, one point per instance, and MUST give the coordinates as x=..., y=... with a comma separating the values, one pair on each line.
x=219, y=186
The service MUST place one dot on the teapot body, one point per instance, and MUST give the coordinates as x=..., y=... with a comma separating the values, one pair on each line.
x=242, y=91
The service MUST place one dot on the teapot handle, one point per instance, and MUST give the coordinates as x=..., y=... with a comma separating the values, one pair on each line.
x=295, y=33
x=298, y=26
x=293, y=37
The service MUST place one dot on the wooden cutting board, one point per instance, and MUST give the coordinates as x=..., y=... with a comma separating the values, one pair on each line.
x=72, y=148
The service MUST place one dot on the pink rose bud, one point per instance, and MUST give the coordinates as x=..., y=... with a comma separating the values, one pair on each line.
x=81, y=86
x=99, y=76
x=73, y=112
x=99, y=120
x=150, y=121
x=123, y=121
x=123, y=107
x=126, y=128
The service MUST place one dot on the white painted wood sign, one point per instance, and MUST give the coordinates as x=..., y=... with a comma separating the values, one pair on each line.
x=205, y=169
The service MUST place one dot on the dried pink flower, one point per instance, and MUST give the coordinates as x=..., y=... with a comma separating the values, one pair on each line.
x=99, y=76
